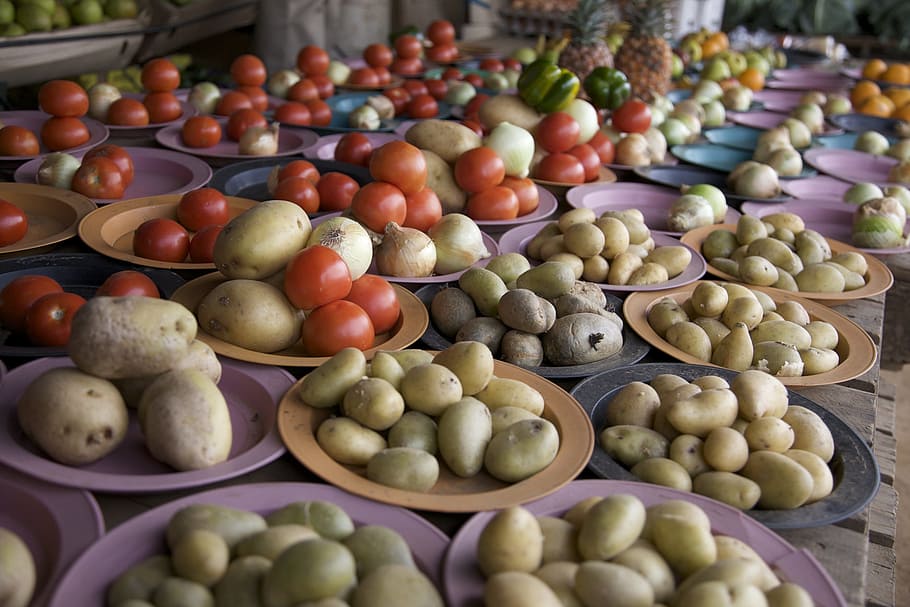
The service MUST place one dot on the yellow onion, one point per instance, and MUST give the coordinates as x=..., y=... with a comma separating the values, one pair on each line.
x=405, y=252
x=259, y=140
x=459, y=243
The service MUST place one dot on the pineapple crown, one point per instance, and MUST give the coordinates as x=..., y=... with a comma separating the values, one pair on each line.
x=588, y=21
x=649, y=18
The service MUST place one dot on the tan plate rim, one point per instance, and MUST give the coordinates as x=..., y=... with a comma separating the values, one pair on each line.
x=297, y=423
x=91, y=225
x=80, y=204
x=414, y=321
x=604, y=176
x=879, y=276
x=860, y=357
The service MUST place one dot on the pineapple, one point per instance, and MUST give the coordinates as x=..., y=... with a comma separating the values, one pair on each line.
x=587, y=48
x=646, y=56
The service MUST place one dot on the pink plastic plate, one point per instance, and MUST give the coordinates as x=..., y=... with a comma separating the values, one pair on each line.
x=778, y=100
x=33, y=119
x=157, y=172
x=290, y=141
x=805, y=74
x=464, y=582
x=851, y=165
x=57, y=524
x=324, y=148
x=516, y=239
x=252, y=393
x=143, y=536
x=769, y=120
x=824, y=83
x=820, y=186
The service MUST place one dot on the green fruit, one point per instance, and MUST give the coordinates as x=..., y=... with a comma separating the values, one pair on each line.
x=7, y=12
x=46, y=5
x=87, y=12
x=61, y=18
x=121, y=9
x=11, y=29
x=33, y=18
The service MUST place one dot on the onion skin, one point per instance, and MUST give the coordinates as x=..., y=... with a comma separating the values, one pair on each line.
x=405, y=253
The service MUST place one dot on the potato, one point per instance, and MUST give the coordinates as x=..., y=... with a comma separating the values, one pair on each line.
x=581, y=338
x=506, y=392
x=199, y=356
x=622, y=266
x=649, y=273
x=777, y=358
x=522, y=349
x=560, y=540
x=674, y=258
x=441, y=179
x=810, y=432
x=518, y=588
x=818, y=360
x=711, y=382
x=521, y=450
x=630, y=444
x=788, y=594
x=232, y=524
x=271, y=542
x=691, y=339
x=823, y=479
x=430, y=388
x=240, y=584
x=483, y=329
x=759, y=394
x=599, y=583
x=508, y=108
x=771, y=433
x=681, y=532
x=414, y=429
x=784, y=483
x=733, y=489
x=746, y=310
x=450, y=309
x=511, y=541
x=373, y=402
x=560, y=577
x=610, y=526
x=503, y=417
x=823, y=334
x=703, y=412
x=570, y=259
x=663, y=471
x=465, y=428
x=485, y=289
x=709, y=299
x=595, y=269
x=328, y=519
x=635, y=404
x=524, y=310
x=471, y=362
x=404, y=468
x=139, y=581
x=820, y=278
x=508, y=266
x=326, y=385
x=446, y=138
x=726, y=449
x=376, y=545
x=201, y=556
x=730, y=547
x=783, y=331
x=688, y=451
x=348, y=442
x=17, y=582
x=307, y=571
x=644, y=558
x=384, y=366
x=396, y=584
x=549, y=280
x=664, y=314
x=177, y=592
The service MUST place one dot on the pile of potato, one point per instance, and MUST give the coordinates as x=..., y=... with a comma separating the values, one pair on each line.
x=17, y=584
x=139, y=352
x=739, y=442
x=407, y=410
x=529, y=316
x=305, y=553
x=615, y=248
x=614, y=550
x=733, y=326
x=778, y=251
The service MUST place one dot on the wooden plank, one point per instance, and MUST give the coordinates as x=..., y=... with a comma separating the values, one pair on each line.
x=885, y=450
x=883, y=516
x=896, y=346
x=841, y=552
x=880, y=577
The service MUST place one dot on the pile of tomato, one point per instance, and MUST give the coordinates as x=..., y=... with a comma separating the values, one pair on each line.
x=105, y=172
x=199, y=218
x=300, y=182
x=567, y=160
x=67, y=103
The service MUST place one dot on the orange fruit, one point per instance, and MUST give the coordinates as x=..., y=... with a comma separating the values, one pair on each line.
x=902, y=113
x=874, y=68
x=876, y=105
x=753, y=78
x=863, y=89
x=721, y=39
x=897, y=73
x=710, y=47
x=899, y=96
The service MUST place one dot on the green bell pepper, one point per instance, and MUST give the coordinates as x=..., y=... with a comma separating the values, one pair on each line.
x=546, y=87
x=607, y=87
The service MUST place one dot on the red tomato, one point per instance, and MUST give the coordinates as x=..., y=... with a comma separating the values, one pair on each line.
x=355, y=148
x=491, y=64
x=19, y=294
x=408, y=46
x=474, y=126
x=299, y=168
x=201, y=132
x=336, y=191
x=48, y=321
x=258, y=97
x=316, y=276
x=604, y=147
x=399, y=97
x=377, y=54
x=479, y=169
x=336, y=326
x=475, y=80
x=378, y=298
x=13, y=223
x=63, y=133
x=377, y=203
x=248, y=70
x=561, y=168
x=313, y=60
x=324, y=86
x=303, y=90
x=401, y=164
x=424, y=210
x=127, y=112
x=422, y=106
x=451, y=73
x=320, y=112
x=128, y=282
x=202, y=244
x=63, y=98
x=203, y=207
x=17, y=140
x=119, y=155
x=363, y=76
x=160, y=74
x=162, y=106
x=161, y=239
x=99, y=177
x=437, y=88
x=557, y=132
x=241, y=120
x=473, y=106
x=231, y=101
x=498, y=202
x=445, y=52
x=589, y=160
x=441, y=31
x=415, y=87
x=300, y=191
x=510, y=63
x=406, y=67
x=293, y=112
x=383, y=73
x=526, y=191
x=633, y=116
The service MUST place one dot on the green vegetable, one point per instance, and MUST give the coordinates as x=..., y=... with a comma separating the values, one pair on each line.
x=607, y=87
x=546, y=87
x=876, y=232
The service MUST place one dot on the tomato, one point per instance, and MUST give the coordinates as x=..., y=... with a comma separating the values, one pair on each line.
x=312, y=60
x=248, y=70
x=201, y=132
x=320, y=112
x=300, y=191
x=17, y=140
x=406, y=67
x=162, y=106
x=424, y=210
x=589, y=160
x=160, y=74
x=161, y=239
x=377, y=54
x=378, y=298
x=119, y=155
x=604, y=147
x=363, y=76
x=384, y=75
x=293, y=112
x=437, y=88
x=63, y=98
x=354, y=147
x=422, y=106
x=324, y=86
x=202, y=244
x=231, y=101
x=377, y=203
x=303, y=90
x=13, y=223
x=498, y=202
x=258, y=97
x=49, y=319
x=202, y=207
x=474, y=126
x=336, y=191
x=316, y=276
x=451, y=73
x=399, y=97
x=408, y=46
x=557, y=132
x=99, y=177
x=526, y=191
x=633, y=116
x=445, y=52
x=241, y=120
x=561, y=168
x=127, y=112
x=491, y=64
x=63, y=133
x=510, y=63
x=479, y=169
x=475, y=80
x=128, y=282
x=441, y=31
x=473, y=106
x=19, y=293
x=401, y=164
x=336, y=326
x=299, y=168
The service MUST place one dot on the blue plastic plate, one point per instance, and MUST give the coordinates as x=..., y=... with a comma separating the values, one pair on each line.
x=721, y=157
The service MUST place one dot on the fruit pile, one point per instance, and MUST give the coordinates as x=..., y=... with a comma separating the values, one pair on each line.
x=874, y=99
x=18, y=17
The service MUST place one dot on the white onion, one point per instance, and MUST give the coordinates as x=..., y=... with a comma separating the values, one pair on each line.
x=347, y=238
x=459, y=243
x=514, y=145
x=204, y=96
x=259, y=140
x=57, y=170
x=586, y=117
x=100, y=97
x=281, y=81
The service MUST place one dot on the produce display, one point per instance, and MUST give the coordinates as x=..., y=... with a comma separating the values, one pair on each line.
x=19, y=17
x=881, y=214
x=105, y=171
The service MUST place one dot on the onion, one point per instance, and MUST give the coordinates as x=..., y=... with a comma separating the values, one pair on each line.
x=786, y=161
x=338, y=72
x=675, y=131
x=800, y=135
x=633, y=150
x=871, y=142
x=364, y=118
x=858, y=193
x=900, y=150
x=383, y=106
x=405, y=252
x=899, y=192
x=100, y=97
x=688, y=212
x=281, y=81
x=460, y=92
x=347, y=238
x=259, y=140
x=57, y=170
x=715, y=113
x=657, y=143
x=737, y=98
x=812, y=115
x=586, y=117
x=204, y=96
x=715, y=197
x=459, y=243
x=764, y=149
x=759, y=181
x=514, y=145
x=900, y=172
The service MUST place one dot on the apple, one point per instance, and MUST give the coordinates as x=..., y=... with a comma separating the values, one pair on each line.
x=871, y=142
x=715, y=113
x=737, y=62
x=691, y=48
x=737, y=98
x=7, y=12
x=675, y=131
x=837, y=103
x=677, y=67
x=525, y=54
x=87, y=12
x=121, y=9
x=716, y=69
x=707, y=90
x=756, y=60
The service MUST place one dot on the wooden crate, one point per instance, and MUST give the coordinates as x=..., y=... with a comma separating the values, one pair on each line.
x=177, y=26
